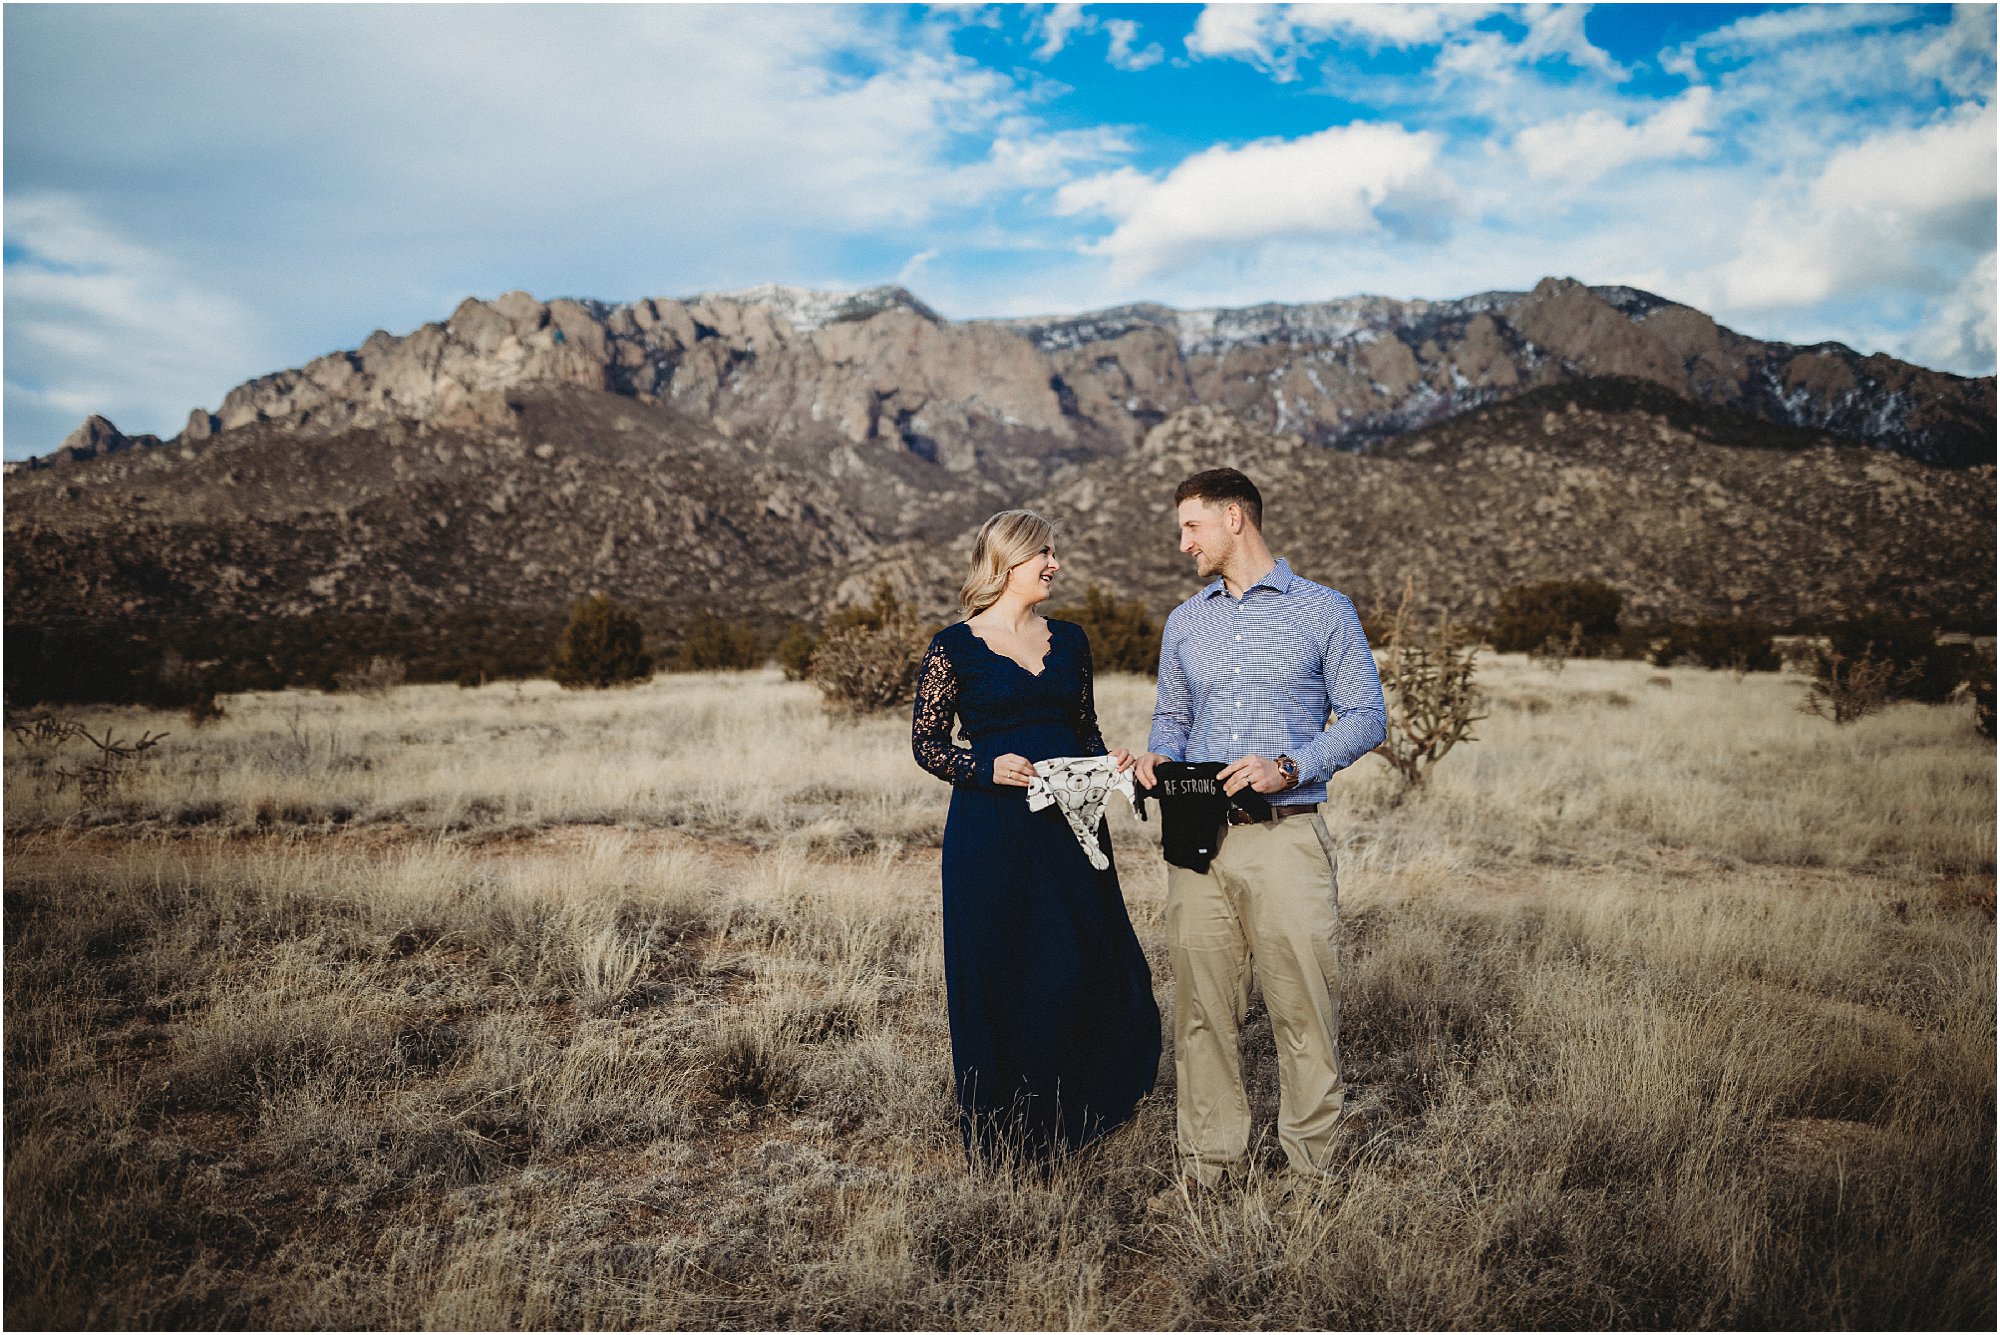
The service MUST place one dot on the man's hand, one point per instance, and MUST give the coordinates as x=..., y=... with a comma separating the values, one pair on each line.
x=1144, y=766
x=1253, y=772
x=1012, y=770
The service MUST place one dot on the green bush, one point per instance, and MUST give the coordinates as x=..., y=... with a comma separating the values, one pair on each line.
x=1737, y=645
x=1123, y=635
x=1532, y=617
x=711, y=642
x=603, y=645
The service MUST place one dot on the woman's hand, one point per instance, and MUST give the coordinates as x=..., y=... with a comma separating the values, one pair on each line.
x=1012, y=770
x=1123, y=757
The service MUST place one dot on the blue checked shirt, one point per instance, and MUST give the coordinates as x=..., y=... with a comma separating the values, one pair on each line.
x=1258, y=675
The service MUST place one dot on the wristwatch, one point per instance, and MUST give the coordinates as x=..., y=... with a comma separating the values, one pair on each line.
x=1290, y=769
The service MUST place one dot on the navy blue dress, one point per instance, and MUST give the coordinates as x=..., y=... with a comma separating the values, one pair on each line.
x=1054, y=1033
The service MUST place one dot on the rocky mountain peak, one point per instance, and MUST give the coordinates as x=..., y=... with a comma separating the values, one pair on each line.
x=96, y=437
x=807, y=310
x=878, y=371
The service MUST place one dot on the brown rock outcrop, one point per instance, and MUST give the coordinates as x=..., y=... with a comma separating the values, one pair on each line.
x=880, y=374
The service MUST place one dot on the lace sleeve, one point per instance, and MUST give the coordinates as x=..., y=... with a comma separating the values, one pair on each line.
x=1088, y=735
x=930, y=723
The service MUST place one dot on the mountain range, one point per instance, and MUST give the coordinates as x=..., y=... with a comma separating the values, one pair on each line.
x=773, y=452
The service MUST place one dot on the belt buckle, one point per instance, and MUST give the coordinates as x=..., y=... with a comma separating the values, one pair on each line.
x=1238, y=816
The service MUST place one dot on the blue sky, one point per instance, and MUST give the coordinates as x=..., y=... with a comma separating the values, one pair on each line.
x=195, y=195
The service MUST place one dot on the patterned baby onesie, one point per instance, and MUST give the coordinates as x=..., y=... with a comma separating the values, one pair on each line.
x=1079, y=786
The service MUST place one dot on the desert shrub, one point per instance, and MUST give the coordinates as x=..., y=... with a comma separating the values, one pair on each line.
x=1981, y=690
x=205, y=709
x=1635, y=643
x=1123, y=635
x=175, y=681
x=1739, y=645
x=378, y=676
x=603, y=645
x=1553, y=654
x=1920, y=667
x=867, y=660
x=883, y=606
x=165, y=662
x=795, y=651
x=712, y=641
x=1427, y=670
x=1535, y=617
x=1844, y=689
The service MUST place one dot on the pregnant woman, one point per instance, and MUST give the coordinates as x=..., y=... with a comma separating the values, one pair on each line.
x=1054, y=1033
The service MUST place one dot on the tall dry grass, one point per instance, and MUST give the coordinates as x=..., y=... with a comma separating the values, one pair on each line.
x=1666, y=1007
x=1603, y=763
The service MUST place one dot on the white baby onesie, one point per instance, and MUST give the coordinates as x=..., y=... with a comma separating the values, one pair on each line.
x=1080, y=786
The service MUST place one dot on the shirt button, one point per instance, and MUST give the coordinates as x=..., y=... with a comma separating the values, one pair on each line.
x=1239, y=637
x=1234, y=735
x=1236, y=669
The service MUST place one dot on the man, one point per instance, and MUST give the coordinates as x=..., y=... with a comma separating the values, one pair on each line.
x=1250, y=668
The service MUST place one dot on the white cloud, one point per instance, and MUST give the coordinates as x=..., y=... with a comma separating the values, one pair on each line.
x=1580, y=149
x=369, y=166
x=1775, y=30
x=1122, y=33
x=1114, y=194
x=1942, y=166
x=911, y=272
x=1231, y=30
x=1277, y=38
x=1348, y=180
x=1556, y=32
x=1059, y=23
x=1956, y=331
x=1960, y=56
x=1820, y=65
x=1390, y=25
x=1056, y=26
x=1911, y=209
x=98, y=323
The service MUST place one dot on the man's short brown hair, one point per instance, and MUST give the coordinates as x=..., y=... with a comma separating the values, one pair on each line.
x=1220, y=486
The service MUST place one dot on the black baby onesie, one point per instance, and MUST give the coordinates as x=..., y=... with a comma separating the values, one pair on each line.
x=1192, y=809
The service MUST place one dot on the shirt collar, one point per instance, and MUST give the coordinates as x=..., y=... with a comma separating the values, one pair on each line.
x=1279, y=579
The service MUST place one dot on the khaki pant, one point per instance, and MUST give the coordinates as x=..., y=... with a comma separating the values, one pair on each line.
x=1267, y=902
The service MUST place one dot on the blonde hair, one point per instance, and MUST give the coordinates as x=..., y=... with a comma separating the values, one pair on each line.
x=1004, y=541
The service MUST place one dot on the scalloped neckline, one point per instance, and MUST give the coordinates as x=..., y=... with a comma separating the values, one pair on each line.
x=1047, y=653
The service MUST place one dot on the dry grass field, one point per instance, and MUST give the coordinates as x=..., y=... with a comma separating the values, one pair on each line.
x=1666, y=1006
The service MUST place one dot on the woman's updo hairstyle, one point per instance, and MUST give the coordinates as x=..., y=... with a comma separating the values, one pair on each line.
x=1004, y=541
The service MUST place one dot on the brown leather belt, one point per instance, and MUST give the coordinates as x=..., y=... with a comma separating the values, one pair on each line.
x=1238, y=816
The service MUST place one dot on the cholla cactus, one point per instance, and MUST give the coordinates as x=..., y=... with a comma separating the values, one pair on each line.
x=1427, y=682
